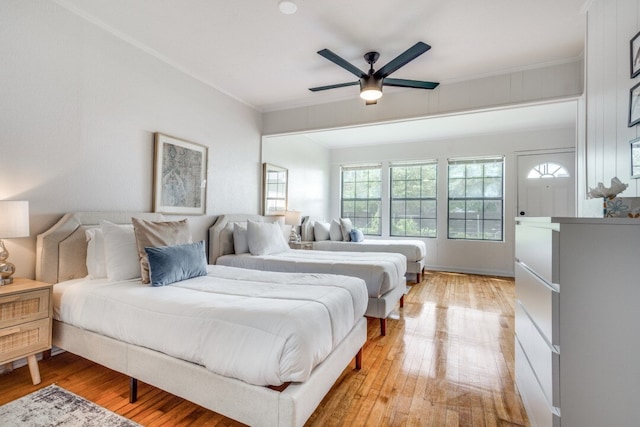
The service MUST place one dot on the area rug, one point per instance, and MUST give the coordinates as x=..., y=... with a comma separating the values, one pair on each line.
x=54, y=406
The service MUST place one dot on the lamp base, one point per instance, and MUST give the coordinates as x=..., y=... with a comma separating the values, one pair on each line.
x=7, y=281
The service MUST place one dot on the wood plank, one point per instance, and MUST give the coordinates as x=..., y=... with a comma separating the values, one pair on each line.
x=447, y=359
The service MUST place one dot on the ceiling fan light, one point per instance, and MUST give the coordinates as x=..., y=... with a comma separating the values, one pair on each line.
x=370, y=94
x=370, y=89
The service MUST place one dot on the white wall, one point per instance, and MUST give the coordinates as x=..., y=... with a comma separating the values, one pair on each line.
x=458, y=255
x=308, y=166
x=79, y=109
x=611, y=24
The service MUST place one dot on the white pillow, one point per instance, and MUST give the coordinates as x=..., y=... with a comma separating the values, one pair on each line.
x=335, y=232
x=306, y=230
x=96, y=262
x=121, y=251
x=345, y=228
x=321, y=231
x=240, y=239
x=265, y=238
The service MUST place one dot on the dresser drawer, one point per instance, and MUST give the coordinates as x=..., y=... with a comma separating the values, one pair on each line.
x=535, y=246
x=24, y=307
x=27, y=338
x=541, y=302
x=538, y=410
x=543, y=359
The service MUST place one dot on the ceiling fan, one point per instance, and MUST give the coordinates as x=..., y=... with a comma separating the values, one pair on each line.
x=371, y=83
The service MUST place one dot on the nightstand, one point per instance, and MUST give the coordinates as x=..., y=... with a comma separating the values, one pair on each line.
x=301, y=245
x=25, y=322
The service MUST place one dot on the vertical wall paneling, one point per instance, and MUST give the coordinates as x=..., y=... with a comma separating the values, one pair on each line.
x=610, y=26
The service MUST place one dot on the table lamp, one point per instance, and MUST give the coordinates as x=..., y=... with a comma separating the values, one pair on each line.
x=14, y=222
x=292, y=218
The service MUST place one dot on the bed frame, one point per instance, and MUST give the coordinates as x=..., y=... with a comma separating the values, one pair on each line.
x=61, y=254
x=221, y=243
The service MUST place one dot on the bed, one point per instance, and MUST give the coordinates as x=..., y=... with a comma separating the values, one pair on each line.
x=284, y=394
x=414, y=250
x=383, y=272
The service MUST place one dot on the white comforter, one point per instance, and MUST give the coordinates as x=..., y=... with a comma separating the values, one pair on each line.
x=414, y=250
x=262, y=328
x=382, y=272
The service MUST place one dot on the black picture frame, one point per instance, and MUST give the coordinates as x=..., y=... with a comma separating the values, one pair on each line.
x=634, y=105
x=634, y=55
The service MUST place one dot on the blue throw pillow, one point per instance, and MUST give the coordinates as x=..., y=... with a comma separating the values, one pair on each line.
x=356, y=235
x=169, y=264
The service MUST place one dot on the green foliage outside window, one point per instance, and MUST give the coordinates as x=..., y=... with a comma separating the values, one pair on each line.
x=476, y=202
x=413, y=199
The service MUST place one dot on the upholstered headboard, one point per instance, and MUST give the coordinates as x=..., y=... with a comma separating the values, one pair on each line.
x=61, y=251
x=221, y=233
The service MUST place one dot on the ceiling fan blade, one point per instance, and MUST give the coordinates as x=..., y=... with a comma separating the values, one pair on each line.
x=417, y=84
x=408, y=55
x=316, y=89
x=342, y=63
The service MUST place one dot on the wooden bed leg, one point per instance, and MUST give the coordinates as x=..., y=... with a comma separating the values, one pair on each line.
x=383, y=327
x=133, y=390
x=402, y=301
x=359, y=359
x=419, y=274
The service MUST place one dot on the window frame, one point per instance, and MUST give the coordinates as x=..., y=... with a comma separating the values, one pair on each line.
x=483, y=198
x=421, y=199
x=363, y=223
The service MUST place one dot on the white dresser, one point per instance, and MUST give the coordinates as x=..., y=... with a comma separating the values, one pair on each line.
x=578, y=320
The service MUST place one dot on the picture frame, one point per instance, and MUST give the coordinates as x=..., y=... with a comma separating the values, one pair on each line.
x=179, y=176
x=634, y=105
x=275, y=183
x=635, y=157
x=634, y=55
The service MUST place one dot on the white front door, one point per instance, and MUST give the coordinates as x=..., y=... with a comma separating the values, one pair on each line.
x=547, y=184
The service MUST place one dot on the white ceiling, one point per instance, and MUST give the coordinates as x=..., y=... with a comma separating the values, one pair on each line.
x=250, y=50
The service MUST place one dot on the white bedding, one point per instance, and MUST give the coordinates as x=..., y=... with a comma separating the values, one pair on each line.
x=261, y=328
x=414, y=250
x=382, y=272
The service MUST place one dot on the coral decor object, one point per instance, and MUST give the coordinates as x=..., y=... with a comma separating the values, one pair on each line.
x=600, y=190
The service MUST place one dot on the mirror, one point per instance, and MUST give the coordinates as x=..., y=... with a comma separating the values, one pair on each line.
x=274, y=191
x=635, y=158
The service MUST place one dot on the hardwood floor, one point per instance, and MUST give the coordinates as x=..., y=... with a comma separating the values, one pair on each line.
x=447, y=360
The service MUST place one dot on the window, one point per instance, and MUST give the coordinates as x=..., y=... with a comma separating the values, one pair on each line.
x=413, y=199
x=361, y=197
x=476, y=199
x=548, y=170
x=275, y=189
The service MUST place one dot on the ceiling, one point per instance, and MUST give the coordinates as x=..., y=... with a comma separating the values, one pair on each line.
x=251, y=51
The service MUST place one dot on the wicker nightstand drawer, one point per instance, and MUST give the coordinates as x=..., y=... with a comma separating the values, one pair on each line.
x=23, y=339
x=24, y=307
x=25, y=322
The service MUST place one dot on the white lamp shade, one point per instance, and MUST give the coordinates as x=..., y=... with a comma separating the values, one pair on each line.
x=14, y=219
x=292, y=217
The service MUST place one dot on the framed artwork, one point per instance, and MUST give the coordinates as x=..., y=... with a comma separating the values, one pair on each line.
x=634, y=47
x=274, y=189
x=179, y=176
x=635, y=158
x=634, y=105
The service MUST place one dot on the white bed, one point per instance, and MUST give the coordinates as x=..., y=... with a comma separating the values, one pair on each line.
x=413, y=249
x=384, y=273
x=142, y=338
